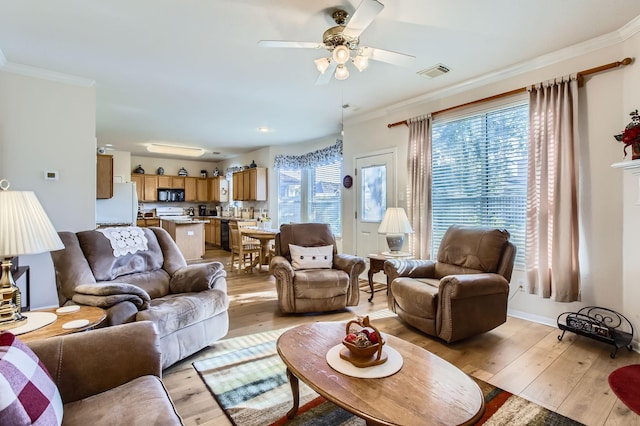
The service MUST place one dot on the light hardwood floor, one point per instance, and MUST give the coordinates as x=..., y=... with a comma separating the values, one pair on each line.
x=522, y=357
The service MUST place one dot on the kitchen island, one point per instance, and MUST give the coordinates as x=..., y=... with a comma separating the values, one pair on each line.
x=188, y=235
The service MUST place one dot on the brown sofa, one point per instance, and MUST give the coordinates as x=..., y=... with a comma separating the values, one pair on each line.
x=462, y=293
x=110, y=376
x=187, y=303
x=314, y=290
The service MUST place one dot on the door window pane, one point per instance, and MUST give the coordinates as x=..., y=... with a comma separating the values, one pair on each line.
x=374, y=193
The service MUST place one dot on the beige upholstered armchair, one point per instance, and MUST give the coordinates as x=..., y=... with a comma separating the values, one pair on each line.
x=187, y=303
x=462, y=293
x=318, y=279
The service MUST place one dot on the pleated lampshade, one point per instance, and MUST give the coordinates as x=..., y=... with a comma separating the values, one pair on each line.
x=25, y=228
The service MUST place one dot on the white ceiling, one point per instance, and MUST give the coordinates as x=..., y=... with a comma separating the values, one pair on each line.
x=190, y=72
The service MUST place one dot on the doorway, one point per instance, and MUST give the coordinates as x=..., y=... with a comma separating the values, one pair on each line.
x=376, y=189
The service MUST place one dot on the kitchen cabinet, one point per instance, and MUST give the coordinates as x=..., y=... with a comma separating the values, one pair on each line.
x=139, y=181
x=164, y=181
x=177, y=182
x=190, y=189
x=218, y=189
x=202, y=189
x=250, y=185
x=150, y=188
x=147, y=222
x=216, y=232
x=212, y=232
x=237, y=186
x=104, y=176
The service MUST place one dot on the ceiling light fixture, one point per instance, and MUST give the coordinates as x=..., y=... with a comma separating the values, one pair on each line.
x=322, y=64
x=340, y=56
x=342, y=73
x=175, y=150
x=360, y=62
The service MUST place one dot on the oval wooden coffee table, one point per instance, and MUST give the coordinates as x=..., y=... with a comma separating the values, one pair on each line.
x=426, y=390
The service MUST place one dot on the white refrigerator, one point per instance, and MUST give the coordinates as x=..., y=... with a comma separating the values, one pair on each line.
x=121, y=209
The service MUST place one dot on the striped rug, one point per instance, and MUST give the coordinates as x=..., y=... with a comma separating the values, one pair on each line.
x=247, y=378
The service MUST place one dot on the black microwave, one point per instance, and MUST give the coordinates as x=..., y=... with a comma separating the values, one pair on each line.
x=167, y=194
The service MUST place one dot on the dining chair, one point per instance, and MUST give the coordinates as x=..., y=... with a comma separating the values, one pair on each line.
x=242, y=249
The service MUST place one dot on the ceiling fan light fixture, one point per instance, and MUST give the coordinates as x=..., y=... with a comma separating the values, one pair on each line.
x=360, y=62
x=342, y=73
x=322, y=64
x=341, y=54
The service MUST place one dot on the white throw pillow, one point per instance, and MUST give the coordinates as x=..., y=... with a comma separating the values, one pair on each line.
x=311, y=257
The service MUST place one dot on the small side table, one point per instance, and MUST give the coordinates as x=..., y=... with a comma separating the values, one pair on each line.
x=91, y=313
x=376, y=264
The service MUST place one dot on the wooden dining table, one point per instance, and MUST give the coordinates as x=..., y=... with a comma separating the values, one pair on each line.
x=265, y=236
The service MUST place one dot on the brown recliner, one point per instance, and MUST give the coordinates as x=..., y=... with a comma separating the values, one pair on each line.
x=314, y=290
x=461, y=294
x=187, y=303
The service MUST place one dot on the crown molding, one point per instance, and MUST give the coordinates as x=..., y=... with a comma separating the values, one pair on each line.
x=42, y=73
x=597, y=43
x=630, y=29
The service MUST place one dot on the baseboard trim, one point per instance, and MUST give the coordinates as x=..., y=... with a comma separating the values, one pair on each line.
x=635, y=344
x=532, y=317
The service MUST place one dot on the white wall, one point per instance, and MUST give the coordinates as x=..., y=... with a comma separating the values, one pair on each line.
x=630, y=195
x=47, y=125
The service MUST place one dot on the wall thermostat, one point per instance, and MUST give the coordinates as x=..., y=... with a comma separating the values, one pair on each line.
x=51, y=175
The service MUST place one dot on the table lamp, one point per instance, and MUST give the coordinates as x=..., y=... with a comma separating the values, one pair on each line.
x=395, y=224
x=24, y=229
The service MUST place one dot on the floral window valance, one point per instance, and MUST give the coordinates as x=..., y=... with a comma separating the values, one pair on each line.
x=323, y=156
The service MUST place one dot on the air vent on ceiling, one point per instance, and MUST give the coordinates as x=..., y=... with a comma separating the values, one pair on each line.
x=350, y=107
x=434, y=71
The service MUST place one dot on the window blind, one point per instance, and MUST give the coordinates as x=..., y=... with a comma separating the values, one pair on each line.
x=479, y=165
x=311, y=194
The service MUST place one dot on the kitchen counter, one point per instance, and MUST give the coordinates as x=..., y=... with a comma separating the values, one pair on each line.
x=188, y=235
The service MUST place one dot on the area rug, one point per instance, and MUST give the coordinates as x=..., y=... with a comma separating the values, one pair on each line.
x=625, y=382
x=247, y=378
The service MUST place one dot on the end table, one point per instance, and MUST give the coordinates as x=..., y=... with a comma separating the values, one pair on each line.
x=376, y=264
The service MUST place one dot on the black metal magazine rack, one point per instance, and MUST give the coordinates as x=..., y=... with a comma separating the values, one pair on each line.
x=601, y=324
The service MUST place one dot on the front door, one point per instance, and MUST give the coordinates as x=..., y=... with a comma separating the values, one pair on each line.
x=376, y=189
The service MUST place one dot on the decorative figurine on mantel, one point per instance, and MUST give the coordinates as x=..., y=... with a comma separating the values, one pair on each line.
x=183, y=172
x=631, y=136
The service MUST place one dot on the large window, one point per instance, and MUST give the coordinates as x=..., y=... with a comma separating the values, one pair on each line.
x=311, y=194
x=309, y=187
x=480, y=172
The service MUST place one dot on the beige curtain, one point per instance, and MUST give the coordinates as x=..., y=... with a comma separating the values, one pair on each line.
x=419, y=186
x=552, y=206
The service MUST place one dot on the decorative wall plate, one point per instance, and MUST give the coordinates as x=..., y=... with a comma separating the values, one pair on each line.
x=347, y=181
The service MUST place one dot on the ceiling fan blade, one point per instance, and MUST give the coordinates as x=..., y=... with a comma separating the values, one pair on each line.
x=393, y=58
x=326, y=77
x=362, y=17
x=295, y=44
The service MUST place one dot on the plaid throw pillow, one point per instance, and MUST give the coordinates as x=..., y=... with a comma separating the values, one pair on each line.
x=28, y=395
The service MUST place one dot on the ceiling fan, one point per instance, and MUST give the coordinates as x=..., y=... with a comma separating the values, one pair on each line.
x=343, y=41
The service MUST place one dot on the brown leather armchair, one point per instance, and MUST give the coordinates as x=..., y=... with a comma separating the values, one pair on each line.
x=462, y=293
x=314, y=290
